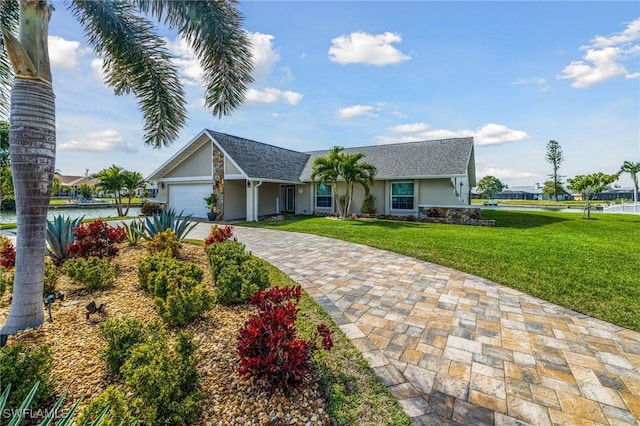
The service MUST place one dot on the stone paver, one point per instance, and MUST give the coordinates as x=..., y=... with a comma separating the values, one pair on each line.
x=457, y=349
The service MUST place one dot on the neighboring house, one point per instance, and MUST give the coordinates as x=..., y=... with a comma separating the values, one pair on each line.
x=73, y=182
x=253, y=179
x=611, y=194
x=529, y=193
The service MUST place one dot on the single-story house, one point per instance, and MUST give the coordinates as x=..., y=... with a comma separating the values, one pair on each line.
x=253, y=179
x=533, y=192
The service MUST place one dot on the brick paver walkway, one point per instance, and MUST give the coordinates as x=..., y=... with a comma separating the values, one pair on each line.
x=453, y=347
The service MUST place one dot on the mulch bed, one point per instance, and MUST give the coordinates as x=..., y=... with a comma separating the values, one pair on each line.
x=229, y=400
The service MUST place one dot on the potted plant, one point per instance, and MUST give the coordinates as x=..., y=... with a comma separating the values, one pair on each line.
x=212, y=204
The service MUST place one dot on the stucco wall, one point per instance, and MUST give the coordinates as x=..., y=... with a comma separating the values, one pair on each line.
x=198, y=164
x=267, y=198
x=235, y=206
x=229, y=168
x=437, y=192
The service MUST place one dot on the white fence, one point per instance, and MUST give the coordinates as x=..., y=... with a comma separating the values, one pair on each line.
x=631, y=208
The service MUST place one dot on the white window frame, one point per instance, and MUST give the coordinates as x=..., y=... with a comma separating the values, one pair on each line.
x=412, y=196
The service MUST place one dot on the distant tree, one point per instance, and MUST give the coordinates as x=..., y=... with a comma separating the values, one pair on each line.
x=633, y=169
x=110, y=182
x=489, y=186
x=555, y=158
x=85, y=191
x=551, y=190
x=6, y=178
x=589, y=185
x=56, y=184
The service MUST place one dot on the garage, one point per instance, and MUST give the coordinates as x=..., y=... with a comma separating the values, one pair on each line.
x=190, y=198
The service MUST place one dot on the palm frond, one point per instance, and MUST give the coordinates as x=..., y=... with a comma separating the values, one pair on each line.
x=214, y=31
x=9, y=12
x=136, y=61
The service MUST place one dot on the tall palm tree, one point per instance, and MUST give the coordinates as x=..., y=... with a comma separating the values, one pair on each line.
x=135, y=60
x=131, y=182
x=633, y=169
x=111, y=182
x=353, y=172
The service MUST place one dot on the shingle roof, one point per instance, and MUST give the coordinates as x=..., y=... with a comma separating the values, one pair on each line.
x=447, y=157
x=260, y=160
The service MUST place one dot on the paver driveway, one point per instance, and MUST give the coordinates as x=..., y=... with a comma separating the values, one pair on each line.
x=453, y=347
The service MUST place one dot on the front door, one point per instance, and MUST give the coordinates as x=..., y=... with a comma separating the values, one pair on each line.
x=290, y=199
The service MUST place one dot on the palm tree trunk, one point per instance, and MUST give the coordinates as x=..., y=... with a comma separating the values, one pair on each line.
x=33, y=151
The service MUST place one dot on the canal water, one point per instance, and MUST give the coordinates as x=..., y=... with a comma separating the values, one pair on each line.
x=88, y=213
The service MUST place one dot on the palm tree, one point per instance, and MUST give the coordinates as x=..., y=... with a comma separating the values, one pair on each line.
x=633, y=169
x=136, y=61
x=326, y=170
x=111, y=182
x=354, y=171
x=131, y=182
x=337, y=165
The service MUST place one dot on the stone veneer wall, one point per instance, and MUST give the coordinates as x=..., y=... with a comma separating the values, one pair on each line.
x=218, y=176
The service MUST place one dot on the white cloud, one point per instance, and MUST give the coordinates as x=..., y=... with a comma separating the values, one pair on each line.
x=492, y=134
x=605, y=58
x=97, y=70
x=505, y=173
x=356, y=111
x=271, y=96
x=264, y=56
x=63, y=54
x=109, y=140
x=410, y=128
x=360, y=47
x=489, y=134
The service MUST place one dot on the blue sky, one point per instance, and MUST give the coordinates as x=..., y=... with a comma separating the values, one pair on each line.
x=512, y=74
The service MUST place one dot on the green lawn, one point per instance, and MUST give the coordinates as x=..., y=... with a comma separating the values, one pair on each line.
x=590, y=266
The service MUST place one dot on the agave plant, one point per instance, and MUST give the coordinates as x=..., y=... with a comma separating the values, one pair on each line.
x=67, y=420
x=134, y=231
x=60, y=236
x=167, y=219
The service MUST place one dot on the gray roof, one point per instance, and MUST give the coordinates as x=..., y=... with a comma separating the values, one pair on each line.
x=447, y=157
x=260, y=160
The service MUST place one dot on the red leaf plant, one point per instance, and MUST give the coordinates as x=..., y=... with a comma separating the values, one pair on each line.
x=271, y=353
x=96, y=239
x=219, y=235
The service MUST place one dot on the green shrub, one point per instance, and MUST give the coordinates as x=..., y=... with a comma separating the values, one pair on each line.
x=154, y=273
x=164, y=380
x=51, y=275
x=23, y=366
x=224, y=253
x=236, y=284
x=121, y=335
x=93, y=273
x=118, y=413
x=369, y=204
x=149, y=264
x=165, y=242
x=186, y=299
x=180, y=296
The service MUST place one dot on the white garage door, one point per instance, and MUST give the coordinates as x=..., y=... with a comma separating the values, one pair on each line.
x=190, y=198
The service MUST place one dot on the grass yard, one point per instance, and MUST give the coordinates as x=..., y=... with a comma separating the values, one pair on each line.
x=590, y=266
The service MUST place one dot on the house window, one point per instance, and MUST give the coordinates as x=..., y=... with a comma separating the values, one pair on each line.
x=323, y=196
x=402, y=196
